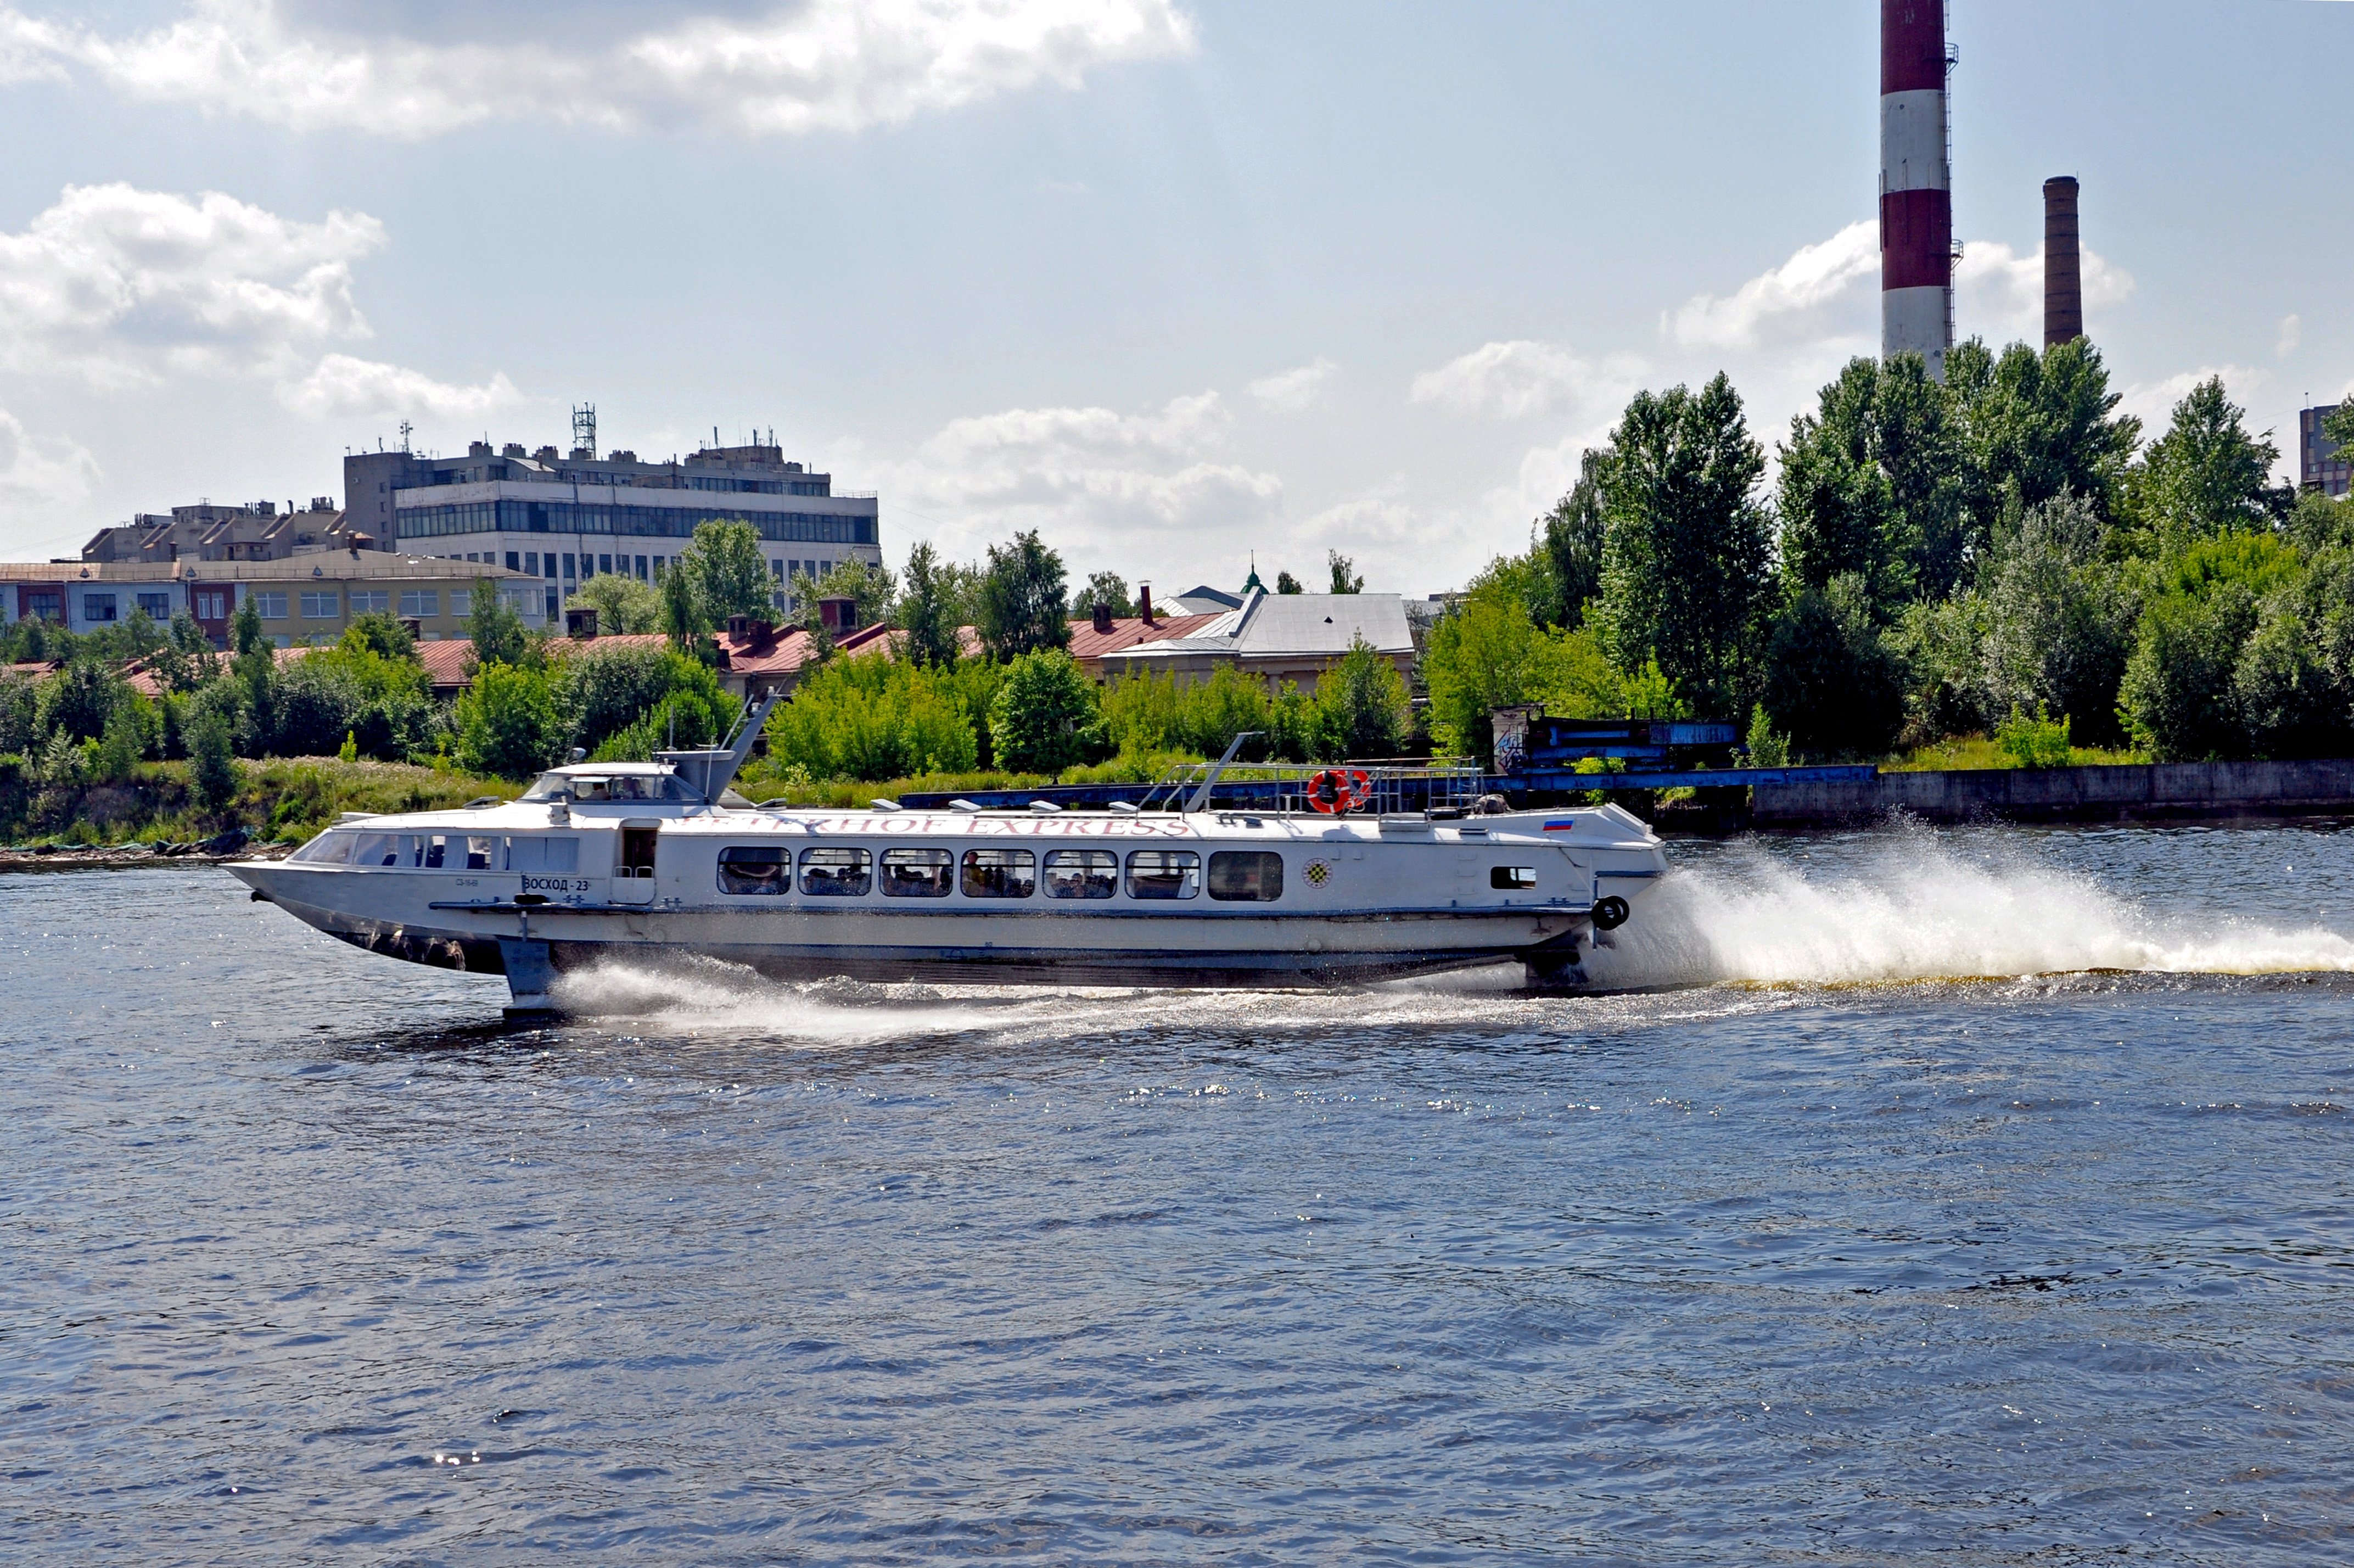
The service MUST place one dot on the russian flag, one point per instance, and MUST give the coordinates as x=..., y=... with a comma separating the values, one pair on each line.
x=1560, y=827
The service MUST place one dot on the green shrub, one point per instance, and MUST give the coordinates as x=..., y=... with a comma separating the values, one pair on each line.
x=508, y=724
x=212, y=763
x=1833, y=684
x=2038, y=742
x=1043, y=717
x=872, y=717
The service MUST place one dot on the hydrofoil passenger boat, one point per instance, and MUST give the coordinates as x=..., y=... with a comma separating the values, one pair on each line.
x=646, y=860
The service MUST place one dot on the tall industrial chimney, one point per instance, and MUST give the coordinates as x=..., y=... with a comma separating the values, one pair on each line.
x=2063, y=277
x=1917, y=197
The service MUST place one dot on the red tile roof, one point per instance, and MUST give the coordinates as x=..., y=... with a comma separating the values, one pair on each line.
x=1089, y=645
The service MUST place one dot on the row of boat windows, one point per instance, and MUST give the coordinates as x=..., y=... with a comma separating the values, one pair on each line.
x=547, y=854
x=1235, y=875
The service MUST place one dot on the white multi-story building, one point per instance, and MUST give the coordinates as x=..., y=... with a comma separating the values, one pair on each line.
x=566, y=519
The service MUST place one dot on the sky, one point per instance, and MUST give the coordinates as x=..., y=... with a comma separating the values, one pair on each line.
x=1186, y=285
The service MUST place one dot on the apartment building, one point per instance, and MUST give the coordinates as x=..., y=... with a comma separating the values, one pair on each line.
x=303, y=599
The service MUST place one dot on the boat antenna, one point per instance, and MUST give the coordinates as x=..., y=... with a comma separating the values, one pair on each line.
x=1202, y=796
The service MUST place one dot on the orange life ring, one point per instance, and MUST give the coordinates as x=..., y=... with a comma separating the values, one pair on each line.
x=1329, y=793
x=1337, y=790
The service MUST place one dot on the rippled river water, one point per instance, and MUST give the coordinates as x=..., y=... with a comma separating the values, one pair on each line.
x=1981, y=1193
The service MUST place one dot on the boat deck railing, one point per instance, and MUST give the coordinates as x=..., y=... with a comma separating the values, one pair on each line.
x=1390, y=785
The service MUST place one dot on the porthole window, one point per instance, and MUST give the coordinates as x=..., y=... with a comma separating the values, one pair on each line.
x=1513, y=878
x=837, y=872
x=1247, y=876
x=1164, y=874
x=999, y=874
x=1082, y=874
x=746, y=868
x=917, y=872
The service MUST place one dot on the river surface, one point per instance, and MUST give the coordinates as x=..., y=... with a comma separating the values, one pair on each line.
x=1981, y=1194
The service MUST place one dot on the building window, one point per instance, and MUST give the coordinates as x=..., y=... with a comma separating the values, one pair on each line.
x=530, y=563
x=212, y=606
x=568, y=566
x=641, y=569
x=156, y=606
x=420, y=601
x=320, y=606
x=269, y=606
x=512, y=566
x=604, y=564
x=371, y=602
x=462, y=601
x=97, y=607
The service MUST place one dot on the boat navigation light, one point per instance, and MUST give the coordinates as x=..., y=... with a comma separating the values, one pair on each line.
x=579, y=754
x=961, y=804
x=880, y=804
x=1047, y=808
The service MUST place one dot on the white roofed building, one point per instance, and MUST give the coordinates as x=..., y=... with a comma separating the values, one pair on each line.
x=1290, y=637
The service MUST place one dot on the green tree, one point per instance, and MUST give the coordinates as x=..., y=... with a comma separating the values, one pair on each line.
x=1833, y=684
x=1487, y=654
x=2338, y=427
x=1043, y=717
x=381, y=634
x=77, y=701
x=683, y=617
x=729, y=572
x=603, y=688
x=1346, y=578
x=1107, y=589
x=2033, y=427
x=1362, y=705
x=624, y=606
x=930, y=609
x=1685, y=560
x=495, y=626
x=2206, y=475
x=213, y=762
x=872, y=717
x=508, y=724
x=1022, y=600
x=1570, y=544
x=2178, y=688
x=2058, y=622
x=1286, y=583
x=245, y=633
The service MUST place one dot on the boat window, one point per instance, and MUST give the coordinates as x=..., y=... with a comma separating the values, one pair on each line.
x=481, y=852
x=746, y=869
x=436, y=849
x=627, y=786
x=550, y=786
x=328, y=849
x=837, y=872
x=1082, y=874
x=1164, y=874
x=375, y=849
x=918, y=872
x=556, y=854
x=1513, y=878
x=999, y=874
x=1247, y=876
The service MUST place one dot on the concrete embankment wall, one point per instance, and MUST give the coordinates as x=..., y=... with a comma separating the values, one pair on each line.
x=2155, y=791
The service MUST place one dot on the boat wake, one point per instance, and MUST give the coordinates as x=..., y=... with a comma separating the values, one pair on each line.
x=1908, y=908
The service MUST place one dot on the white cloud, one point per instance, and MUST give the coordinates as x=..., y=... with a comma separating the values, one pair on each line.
x=2291, y=331
x=1514, y=379
x=117, y=288
x=823, y=65
x=344, y=386
x=1998, y=293
x=120, y=286
x=1288, y=391
x=1091, y=479
x=41, y=476
x=1817, y=293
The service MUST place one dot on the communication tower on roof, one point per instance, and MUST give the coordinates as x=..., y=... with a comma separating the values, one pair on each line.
x=584, y=431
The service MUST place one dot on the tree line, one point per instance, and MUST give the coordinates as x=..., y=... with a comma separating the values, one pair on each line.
x=1931, y=559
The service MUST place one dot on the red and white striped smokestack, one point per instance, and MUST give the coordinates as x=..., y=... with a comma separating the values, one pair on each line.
x=1917, y=197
